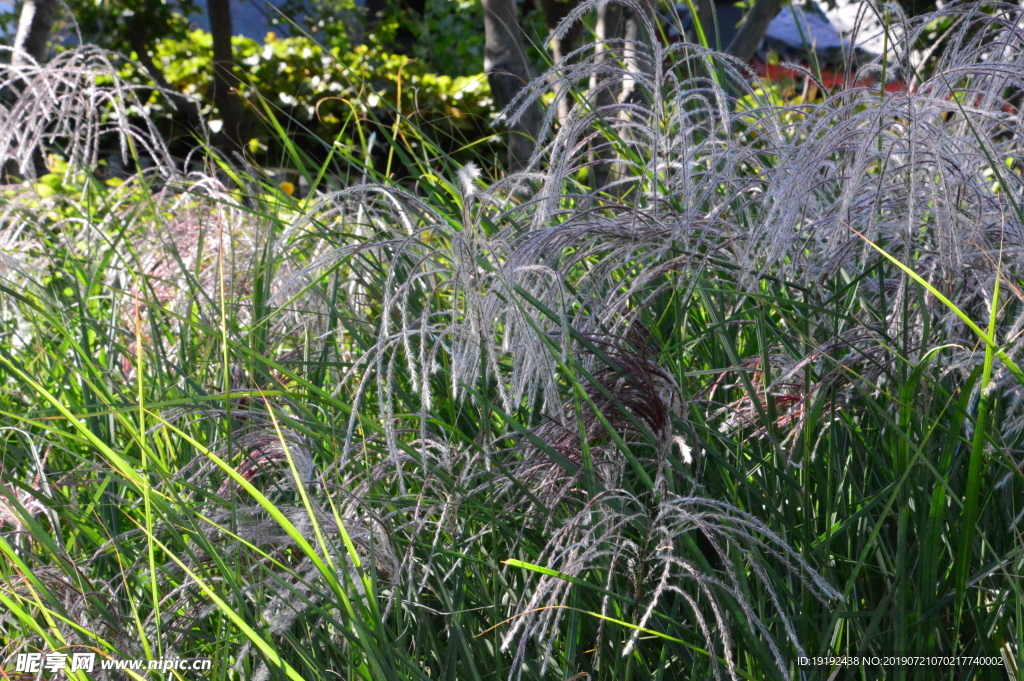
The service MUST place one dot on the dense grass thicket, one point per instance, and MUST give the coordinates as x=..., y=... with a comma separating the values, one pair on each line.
x=717, y=383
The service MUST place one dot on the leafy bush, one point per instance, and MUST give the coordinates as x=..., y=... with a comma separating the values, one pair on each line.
x=118, y=25
x=452, y=39
x=323, y=91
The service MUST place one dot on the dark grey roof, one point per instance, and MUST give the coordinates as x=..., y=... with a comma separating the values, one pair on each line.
x=797, y=27
x=792, y=33
x=795, y=31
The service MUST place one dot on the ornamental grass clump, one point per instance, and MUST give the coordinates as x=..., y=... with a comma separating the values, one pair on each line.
x=717, y=382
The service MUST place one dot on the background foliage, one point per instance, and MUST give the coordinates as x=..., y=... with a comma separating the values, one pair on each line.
x=755, y=397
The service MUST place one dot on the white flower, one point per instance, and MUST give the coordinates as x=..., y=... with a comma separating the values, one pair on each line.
x=468, y=175
x=684, y=449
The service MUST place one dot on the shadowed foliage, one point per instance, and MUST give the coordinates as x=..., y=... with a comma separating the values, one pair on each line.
x=755, y=397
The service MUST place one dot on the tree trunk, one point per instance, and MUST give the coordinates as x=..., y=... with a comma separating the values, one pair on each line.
x=608, y=28
x=602, y=94
x=753, y=28
x=637, y=51
x=554, y=12
x=615, y=22
x=31, y=44
x=225, y=97
x=34, y=25
x=508, y=73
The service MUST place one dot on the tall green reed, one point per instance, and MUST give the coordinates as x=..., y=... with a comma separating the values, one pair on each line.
x=735, y=407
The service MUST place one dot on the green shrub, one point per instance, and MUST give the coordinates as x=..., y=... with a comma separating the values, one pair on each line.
x=757, y=396
x=322, y=93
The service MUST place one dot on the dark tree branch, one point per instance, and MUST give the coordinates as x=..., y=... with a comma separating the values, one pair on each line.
x=753, y=28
